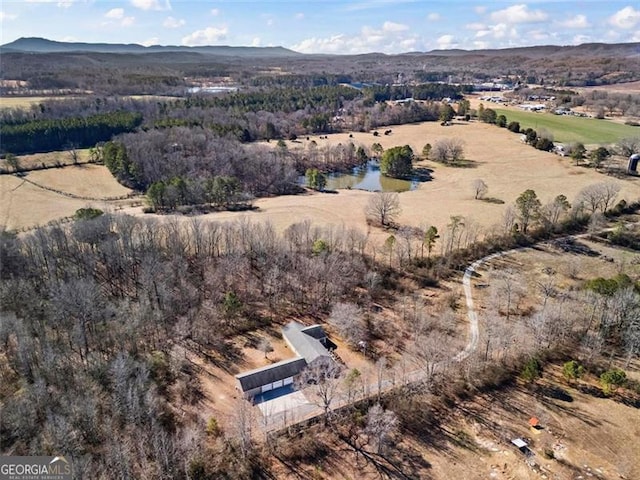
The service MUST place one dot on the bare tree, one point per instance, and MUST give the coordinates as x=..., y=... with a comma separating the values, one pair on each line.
x=348, y=320
x=383, y=208
x=381, y=426
x=628, y=146
x=242, y=426
x=447, y=150
x=509, y=218
x=598, y=196
x=480, y=189
x=552, y=212
x=506, y=291
x=265, y=346
x=321, y=381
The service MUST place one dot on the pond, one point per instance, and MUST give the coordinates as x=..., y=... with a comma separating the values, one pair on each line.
x=368, y=177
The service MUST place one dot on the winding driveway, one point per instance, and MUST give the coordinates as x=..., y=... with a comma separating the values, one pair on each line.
x=284, y=412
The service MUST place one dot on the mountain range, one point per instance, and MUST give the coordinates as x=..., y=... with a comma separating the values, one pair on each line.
x=43, y=45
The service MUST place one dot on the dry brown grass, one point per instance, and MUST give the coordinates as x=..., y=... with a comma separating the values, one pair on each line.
x=24, y=205
x=21, y=102
x=506, y=165
x=49, y=159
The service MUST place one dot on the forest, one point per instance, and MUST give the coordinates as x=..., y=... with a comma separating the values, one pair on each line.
x=272, y=114
x=93, y=313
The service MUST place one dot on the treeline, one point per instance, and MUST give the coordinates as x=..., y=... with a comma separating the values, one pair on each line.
x=541, y=141
x=274, y=114
x=47, y=135
x=426, y=91
x=277, y=99
x=193, y=166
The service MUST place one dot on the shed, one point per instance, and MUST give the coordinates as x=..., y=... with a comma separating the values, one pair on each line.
x=534, y=422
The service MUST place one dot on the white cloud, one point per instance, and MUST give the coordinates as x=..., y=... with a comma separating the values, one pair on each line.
x=7, y=16
x=392, y=27
x=116, y=17
x=269, y=19
x=215, y=12
x=300, y=16
x=538, y=35
x=480, y=9
x=151, y=4
x=578, y=39
x=115, y=13
x=207, y=36
x=390, y=37
x=579, y=21
x=518, y=14
x=433, y=17
x=446, y=42
x=499, y=31
x=171, y=22
x=626, y=18
x=256, y=42
x=475, y=26
x=151, y=41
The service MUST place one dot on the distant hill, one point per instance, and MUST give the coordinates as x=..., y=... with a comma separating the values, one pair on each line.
x=42, y=45
x=546, y=51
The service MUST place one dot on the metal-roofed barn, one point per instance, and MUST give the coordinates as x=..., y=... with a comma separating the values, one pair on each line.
x=308, y=343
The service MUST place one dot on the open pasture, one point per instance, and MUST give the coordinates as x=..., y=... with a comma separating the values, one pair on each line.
x=49, y=159
x=24, y=102
x=36, y=199
x=568, y=129
x=497, y=156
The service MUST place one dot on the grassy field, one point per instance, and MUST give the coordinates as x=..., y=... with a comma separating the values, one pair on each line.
x=48, y=159
x=499, y=158
x=572, y=129
x=24, y=204
x=24, y=102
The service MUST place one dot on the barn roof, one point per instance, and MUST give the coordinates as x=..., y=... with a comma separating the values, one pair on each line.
x=518, y=442
x=270, y=373
x=305, y=341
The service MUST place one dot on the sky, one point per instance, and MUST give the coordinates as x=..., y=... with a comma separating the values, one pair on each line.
x=326, y=26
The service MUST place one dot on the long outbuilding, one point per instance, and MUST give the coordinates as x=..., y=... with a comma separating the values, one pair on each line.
x=308, y=343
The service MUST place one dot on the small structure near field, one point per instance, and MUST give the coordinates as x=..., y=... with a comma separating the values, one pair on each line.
x=632, y=167
x=308, y=343
x=535, y=423
x=522, y=446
